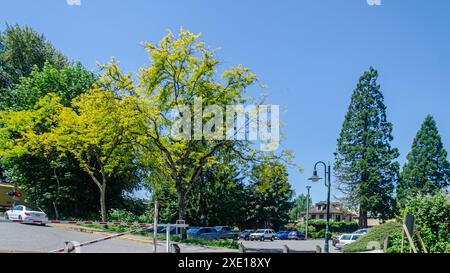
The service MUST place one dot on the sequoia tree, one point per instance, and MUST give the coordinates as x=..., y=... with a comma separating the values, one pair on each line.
x=427, y=169
x=365, y=165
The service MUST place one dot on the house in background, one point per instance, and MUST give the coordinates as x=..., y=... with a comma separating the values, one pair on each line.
x=338, y=212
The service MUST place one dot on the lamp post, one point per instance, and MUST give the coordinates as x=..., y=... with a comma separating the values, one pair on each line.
x=307, y=212
x=316, y=178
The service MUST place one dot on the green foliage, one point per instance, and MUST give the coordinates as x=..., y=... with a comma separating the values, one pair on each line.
x=432, y=212
x=67, y=82
x=377, y=234
x=300, y=206
x=218, y=198
x=270, y=195
x=427, y=169
x=317, y=228
x=365, y=167
x=21, y=51
x=226, y=243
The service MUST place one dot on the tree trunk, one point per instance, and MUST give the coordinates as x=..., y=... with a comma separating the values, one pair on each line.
x=182, y=211
x=103, y=202
x=55, y=206
x=181, y=205
x=362, y=221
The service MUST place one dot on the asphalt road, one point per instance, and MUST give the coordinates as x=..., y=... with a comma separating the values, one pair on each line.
x=24, y=237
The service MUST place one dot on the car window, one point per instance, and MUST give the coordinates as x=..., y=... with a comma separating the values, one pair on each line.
x=31, y=209
x=260, y=231
x=346, y=237
x=355, y=237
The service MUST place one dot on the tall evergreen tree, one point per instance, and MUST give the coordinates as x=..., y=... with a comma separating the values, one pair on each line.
x=365, y=166
x=427, y=169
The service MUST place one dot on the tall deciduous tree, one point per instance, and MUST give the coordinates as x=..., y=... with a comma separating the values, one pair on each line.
x=182, y=70
x=427, y=169
x=365, y=161
x=96, y=132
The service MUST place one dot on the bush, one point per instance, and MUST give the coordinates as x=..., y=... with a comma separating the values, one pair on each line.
x=316, y=228
x=432, y=214
x=377, y=235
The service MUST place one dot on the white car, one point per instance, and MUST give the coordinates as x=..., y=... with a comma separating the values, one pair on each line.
x=27, y=215
x=346, y=239
x=263, y=234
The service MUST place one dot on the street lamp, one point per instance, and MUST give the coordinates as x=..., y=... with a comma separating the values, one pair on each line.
x=316, y=178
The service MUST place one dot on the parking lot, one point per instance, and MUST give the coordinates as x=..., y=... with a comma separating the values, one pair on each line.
x=275, y=246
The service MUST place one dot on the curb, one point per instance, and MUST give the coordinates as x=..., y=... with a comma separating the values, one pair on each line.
x=101, y=233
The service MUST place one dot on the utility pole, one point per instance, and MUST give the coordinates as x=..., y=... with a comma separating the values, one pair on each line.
x=307, y=212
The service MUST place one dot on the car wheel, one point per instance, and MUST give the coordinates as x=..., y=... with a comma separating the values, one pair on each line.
x=251, y=239
x=272, y=239
x=20, y=217
x=262, y=238
x=6, y=216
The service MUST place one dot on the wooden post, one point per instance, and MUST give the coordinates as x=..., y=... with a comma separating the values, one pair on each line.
x=421, y=241
x=318, y=249
x=175, y=248
x=386, y=244
x=242, y=248
x=411, y=242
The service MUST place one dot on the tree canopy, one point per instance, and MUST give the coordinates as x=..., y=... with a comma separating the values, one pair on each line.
x=365, y=166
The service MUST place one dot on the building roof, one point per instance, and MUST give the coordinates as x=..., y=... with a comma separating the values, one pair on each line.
x=335, y=208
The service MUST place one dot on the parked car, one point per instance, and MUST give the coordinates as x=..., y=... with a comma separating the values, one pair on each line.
x=361, y=231
x=227, y=233
x=296, y=235
x=27, y=214
x=346, y=239
x=245, y=235
x=204, y=233
x=282, y=235
x=263, y=234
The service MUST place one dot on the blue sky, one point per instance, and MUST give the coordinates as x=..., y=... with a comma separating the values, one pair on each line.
x=310, y=53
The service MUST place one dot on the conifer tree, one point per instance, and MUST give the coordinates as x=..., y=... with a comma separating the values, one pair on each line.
x=427, y=169
x=365, y=166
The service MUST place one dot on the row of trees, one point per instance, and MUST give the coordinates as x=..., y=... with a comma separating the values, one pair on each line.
x=366, y=166
x=69, y=137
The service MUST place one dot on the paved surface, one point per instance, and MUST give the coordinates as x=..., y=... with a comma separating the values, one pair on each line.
x=268, y=246
x=23, y=237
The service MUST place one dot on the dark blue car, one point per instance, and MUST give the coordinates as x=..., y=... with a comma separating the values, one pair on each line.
x=296, y=235
x=282, y=235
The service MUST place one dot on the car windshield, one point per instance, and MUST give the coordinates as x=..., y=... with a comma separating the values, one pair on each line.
x=260, y=231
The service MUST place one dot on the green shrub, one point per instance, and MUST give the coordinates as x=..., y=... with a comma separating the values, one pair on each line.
x=316, y=228
x=432, y=214
x=377, y=234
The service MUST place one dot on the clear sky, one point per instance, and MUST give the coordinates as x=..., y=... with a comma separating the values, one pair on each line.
x=310, y=53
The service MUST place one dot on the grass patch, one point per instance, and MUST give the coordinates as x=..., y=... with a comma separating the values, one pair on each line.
x=2, y=214
x=375, y=234
x=225, y=243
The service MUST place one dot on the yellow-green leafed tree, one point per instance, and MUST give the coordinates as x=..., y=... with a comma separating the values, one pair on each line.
x=183, y=70
x=95, y=130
